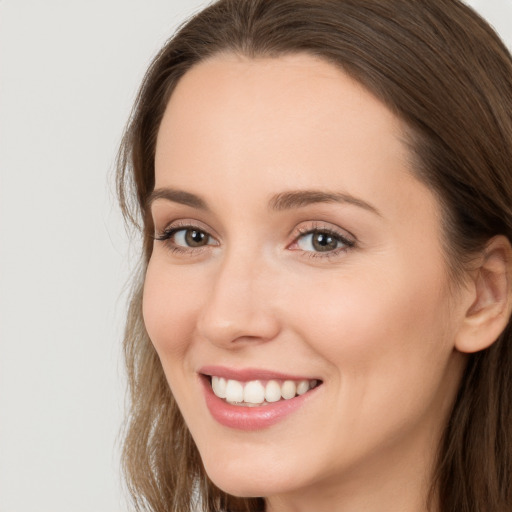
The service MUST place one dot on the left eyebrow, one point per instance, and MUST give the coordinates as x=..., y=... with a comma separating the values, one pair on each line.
x=302, y=198
x=177, y=196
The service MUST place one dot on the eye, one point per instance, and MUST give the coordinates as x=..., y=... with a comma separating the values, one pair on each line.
x=322, y=240
x=185, y=238
x=190, y=237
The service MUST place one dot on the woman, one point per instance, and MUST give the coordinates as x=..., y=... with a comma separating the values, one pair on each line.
x=321, y=321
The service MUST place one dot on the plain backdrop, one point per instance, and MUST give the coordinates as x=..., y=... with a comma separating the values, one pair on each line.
x=69, y=70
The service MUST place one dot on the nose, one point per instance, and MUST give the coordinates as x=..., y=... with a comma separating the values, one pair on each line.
x=239, y=305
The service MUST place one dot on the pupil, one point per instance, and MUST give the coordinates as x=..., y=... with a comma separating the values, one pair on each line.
x=196, y=238
x=323, y=242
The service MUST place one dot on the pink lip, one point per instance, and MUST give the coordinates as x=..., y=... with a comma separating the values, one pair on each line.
x=249, y=418
x=247, y=374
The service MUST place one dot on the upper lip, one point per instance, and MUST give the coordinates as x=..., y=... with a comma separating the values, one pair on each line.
x=248, y=374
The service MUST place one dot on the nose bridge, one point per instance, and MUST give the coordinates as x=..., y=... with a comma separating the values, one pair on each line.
x=239, y=305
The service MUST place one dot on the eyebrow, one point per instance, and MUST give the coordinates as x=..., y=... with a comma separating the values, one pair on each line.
x=302, y=198
x=280, y=202
x=177, y=196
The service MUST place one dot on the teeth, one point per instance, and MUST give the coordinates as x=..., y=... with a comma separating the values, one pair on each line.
x=255, y=392
x=302, y=387
x=219, y=386
x=234, y=391
x=272, y=391
x=289, y=389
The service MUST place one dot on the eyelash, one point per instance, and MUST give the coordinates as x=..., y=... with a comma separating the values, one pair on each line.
x=347, y=243
x=167, y=235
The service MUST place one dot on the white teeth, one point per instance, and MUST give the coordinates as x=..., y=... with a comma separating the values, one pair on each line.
x=302, y=387
x=234, y=391
x=219, y=386
x=254, y=392
x=272, y=391
x=288, y=390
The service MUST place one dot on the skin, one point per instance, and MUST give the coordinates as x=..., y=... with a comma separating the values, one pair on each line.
x=377, y=322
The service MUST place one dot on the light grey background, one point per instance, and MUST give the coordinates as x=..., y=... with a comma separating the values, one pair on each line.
x=68, y=75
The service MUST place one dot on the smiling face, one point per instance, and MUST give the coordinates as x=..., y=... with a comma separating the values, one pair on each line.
x=293, y=243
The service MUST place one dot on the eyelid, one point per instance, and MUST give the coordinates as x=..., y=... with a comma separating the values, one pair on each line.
x=167, y=234
x=305, y=228
x=345, y=237
x=185, y=224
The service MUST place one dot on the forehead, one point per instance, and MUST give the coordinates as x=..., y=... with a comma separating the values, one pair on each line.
x=266, y=125
x=274, y=106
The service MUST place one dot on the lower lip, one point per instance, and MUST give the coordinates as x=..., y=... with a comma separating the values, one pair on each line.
x=251, y=418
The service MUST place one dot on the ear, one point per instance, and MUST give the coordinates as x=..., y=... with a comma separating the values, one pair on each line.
x=490, y=298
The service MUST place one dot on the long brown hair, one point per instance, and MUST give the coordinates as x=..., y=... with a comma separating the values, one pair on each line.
x=443, y=71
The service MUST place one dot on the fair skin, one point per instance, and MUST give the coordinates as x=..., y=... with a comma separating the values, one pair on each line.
x=372, y=315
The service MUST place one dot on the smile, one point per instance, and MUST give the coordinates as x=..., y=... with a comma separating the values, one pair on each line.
x=256, y=393
x=255, y=399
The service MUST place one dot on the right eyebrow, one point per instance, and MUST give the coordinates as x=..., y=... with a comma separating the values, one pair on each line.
x=177, y=196
x=302, y=198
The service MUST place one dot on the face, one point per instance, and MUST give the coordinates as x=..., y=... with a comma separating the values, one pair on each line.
x=297, y=267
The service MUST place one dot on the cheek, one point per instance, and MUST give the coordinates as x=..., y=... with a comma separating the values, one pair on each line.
x=381, y=329
x=389, y=344
x=169, y=305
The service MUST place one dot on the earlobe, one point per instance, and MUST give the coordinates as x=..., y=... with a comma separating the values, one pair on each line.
x=491, y=300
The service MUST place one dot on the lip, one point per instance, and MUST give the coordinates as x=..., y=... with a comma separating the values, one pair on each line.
x=248, y=374
x=250, y=418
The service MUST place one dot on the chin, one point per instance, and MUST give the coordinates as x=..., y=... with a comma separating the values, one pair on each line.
x=249, y=480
